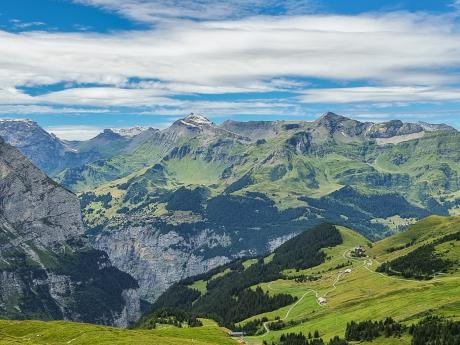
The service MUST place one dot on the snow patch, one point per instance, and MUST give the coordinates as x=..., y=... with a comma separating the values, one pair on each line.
x=129, y=132
x=197, y=119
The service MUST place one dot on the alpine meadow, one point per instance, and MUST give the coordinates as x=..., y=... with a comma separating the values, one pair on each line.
x=229, y=172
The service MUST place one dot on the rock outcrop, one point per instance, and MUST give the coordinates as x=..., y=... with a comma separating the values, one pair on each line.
x=47, y=269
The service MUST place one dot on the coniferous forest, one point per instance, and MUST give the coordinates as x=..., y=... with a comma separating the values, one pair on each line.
x=228, y=298
x=422, y=263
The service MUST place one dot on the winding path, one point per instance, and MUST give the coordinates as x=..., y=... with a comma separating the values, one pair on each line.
x=368, y=262
x=334, y=286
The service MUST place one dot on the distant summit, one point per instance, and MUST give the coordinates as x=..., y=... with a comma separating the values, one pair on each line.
x=389, y=129
x=196, y=120
x=431, y=127
x=190, y=126
x=53, y=155
x=331, y=117
x=44, y=149
x=129, y=132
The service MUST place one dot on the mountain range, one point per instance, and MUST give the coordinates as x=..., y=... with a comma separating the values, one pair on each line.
x=169, y=204
x=53, y=155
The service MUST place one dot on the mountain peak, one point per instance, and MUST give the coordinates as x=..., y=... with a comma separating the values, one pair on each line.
x=23, y=122
x=197, y=119
x=332, y=117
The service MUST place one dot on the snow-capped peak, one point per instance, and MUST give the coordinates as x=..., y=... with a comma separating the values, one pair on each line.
x=27, y=122
x=197, y=119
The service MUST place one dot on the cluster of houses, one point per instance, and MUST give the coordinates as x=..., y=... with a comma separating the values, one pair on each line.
x=359, y=252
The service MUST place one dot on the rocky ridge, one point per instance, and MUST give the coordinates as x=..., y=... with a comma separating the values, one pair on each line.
x=47, y=268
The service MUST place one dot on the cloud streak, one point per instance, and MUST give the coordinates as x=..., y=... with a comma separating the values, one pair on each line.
x=381, y=94
x=154, y=11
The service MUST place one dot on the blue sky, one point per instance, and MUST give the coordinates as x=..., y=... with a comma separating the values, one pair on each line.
x=78, y=66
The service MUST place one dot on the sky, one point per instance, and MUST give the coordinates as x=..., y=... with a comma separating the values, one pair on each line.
x=79, y=66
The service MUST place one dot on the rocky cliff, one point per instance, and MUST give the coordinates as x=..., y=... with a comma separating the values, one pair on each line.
x=157, y=259
x=47, y=270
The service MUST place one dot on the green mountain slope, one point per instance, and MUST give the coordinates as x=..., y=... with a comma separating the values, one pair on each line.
x=57, y=333
x=244, y=195
x=305, y=167
x=344, y=287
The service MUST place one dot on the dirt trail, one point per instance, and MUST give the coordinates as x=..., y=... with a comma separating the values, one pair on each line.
x=368, y=262
x=317, y=296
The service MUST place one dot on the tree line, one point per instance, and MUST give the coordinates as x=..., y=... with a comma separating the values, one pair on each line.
x=300, y=339
x=432, y=330
x=422, y=263
x=169, y=316
x=369, y=330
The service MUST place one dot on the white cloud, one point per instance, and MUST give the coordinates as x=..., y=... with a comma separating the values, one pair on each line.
x=152, y=11
x=74, y=132
x=244, y=55
x=105, y=96
x=228, y=108
x=381, y=94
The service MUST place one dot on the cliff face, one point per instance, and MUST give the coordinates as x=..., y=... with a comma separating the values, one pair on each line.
x=157, y=259
x=47, y=270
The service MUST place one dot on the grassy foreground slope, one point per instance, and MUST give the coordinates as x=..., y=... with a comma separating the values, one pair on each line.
x=60, y=332
x=364, y=294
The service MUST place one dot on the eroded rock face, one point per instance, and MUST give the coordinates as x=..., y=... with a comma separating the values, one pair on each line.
x=37, y=207
x=47, y=269
x=157, y=259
